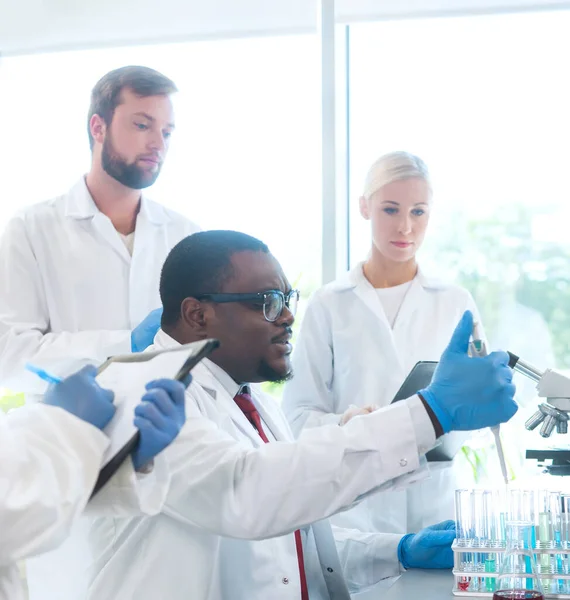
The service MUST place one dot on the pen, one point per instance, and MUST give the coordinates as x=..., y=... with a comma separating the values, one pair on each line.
x=43, y=374
x=478, y=348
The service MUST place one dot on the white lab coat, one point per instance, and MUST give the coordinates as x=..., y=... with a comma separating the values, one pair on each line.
x=347, y=353
x=50, y=460
x=71, y=293
x=229, y=488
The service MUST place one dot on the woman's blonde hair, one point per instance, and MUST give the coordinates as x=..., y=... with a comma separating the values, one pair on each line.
x=393, y=167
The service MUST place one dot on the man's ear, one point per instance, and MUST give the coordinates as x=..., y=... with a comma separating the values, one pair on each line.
x=98, y=128
x=193, y=314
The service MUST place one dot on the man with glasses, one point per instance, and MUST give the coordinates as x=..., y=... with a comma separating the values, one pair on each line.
x=243, y=519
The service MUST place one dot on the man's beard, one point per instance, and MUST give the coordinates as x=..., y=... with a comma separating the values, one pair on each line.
x=268, y=373
x=130, y=175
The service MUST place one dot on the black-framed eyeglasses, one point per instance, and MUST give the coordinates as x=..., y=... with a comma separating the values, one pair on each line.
x=273, y=301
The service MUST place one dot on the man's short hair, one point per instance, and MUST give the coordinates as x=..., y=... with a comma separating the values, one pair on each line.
x=106, y=94
x=200, y=264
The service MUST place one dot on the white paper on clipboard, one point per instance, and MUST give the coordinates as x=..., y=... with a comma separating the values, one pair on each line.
x=127, y=377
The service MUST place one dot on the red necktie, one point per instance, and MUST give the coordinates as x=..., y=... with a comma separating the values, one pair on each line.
x=247, y=406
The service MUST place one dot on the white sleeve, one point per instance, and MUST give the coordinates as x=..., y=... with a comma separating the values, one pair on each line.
x=367, y=558
x=50, y=462
x=217, y=479
x=307, y=397
x=24, y=320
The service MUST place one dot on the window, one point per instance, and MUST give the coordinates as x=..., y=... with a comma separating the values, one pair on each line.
x=484, y=101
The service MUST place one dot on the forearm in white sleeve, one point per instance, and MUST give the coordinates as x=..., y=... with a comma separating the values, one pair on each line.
x=50, y=462
x=423, y=427
x=328, y=469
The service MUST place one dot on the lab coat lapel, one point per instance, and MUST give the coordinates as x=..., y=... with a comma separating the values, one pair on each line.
x=415, y=297
x=225, y=403
x=364, y=290
x=200, y=375
x=149, y=218
x=105, y=230
x=279, y=432
x=385, y=336
x=81, y=207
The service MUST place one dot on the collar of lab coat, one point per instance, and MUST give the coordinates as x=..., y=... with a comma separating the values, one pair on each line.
x=356, y=282
x=355, y=278
x=80, y=205
x=215, y=381
x=162, y=340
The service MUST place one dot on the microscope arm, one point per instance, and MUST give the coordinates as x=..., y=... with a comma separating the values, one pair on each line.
x=553, y=386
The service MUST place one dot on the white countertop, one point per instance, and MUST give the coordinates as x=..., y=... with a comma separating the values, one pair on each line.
x=414, y=584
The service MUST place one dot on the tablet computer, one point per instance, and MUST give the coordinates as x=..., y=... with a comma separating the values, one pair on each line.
x=420, y=377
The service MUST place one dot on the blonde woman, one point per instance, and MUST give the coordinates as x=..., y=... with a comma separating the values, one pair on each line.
x=363, y=333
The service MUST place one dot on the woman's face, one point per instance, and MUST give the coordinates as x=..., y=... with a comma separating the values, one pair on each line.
x=399, y=214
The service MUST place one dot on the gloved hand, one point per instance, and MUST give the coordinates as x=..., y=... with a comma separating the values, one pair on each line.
x=428, y=549
x=159, y=418
x=470, y=393
x=82, y=396
x=143, y=334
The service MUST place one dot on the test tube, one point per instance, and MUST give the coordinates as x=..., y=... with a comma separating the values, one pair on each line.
x=565, y=521
x=545, y=534
x=555, y=505
x=479, y=504
x=463, y=517
x=546, y=509
x=565, y=535
x=521, y=506
x=490, y=507
x=464, y=533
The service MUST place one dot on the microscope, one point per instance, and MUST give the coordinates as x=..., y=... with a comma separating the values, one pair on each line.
x=551, y=414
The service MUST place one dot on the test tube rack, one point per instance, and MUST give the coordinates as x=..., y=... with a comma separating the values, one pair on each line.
x=464, y=584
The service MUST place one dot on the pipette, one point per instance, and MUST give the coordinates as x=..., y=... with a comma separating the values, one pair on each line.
x=478, y=348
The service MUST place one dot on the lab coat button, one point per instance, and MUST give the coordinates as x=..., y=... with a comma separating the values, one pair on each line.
x=285, y=581
x=403, y=462
x=329, y=569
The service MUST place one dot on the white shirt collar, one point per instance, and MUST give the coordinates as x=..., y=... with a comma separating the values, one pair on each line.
x=79, y=204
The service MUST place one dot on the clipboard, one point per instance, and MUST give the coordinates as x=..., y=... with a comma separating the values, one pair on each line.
x=190, y=356
x=418, y=379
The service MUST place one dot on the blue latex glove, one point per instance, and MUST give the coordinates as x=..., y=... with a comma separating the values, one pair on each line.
x=428, y=549
x=159, y=418
x=82, y=396
x=143, y=334
x=470, y=393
